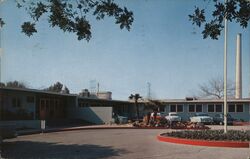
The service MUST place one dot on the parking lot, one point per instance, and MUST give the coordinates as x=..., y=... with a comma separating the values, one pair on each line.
x=118, y=143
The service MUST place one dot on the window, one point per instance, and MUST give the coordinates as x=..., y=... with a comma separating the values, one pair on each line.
x=198, y=108
x=210, y=108
x=16, y=102
x=214, y=108
x=195, y=108
x=30, y=99
x=218, y=108
x=162, y=108
x=176, y=108
x=239, y=108
x=191, y=108
x=179, y=108
x=172, y=108
x=231, y=108
x=235, y=108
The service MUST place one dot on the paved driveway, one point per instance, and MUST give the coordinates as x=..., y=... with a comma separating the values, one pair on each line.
x=100, y=144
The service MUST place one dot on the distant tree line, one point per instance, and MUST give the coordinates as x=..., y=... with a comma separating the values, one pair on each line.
x=13, y=84
x=57, y=87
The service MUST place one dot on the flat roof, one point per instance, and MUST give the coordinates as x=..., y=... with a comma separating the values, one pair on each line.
x=165, y=101
x=60, y=94
x=243, y=100
x=36, y=91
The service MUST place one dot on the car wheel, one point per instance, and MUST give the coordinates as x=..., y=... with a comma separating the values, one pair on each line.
x=221, y=123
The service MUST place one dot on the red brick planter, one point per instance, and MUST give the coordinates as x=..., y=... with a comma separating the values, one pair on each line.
x=235, y=144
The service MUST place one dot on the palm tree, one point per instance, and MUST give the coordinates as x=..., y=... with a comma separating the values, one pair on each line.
x=136, y=97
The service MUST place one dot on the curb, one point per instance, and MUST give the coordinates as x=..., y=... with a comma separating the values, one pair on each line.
x=232, y=144
x=74, y=129
x=20, y=133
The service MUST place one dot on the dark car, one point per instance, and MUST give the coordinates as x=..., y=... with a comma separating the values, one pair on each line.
x=219, y=119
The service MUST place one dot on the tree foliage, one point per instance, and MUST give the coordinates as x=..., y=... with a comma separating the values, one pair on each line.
x=214, y=88
x=71, y=16
x=58, y=88
x=136, y=97
x=13, y=84
x=234, y=11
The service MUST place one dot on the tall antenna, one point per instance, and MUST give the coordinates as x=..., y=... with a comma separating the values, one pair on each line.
x=148, y=90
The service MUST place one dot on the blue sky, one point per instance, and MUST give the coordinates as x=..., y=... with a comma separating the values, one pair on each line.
x=161, y=48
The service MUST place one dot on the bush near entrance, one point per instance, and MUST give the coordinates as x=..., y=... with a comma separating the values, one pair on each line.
x=215, y=135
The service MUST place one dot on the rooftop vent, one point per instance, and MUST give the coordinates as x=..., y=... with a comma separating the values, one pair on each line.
x=191, y=98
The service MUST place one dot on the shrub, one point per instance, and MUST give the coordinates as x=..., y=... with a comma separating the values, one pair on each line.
x=231, y=135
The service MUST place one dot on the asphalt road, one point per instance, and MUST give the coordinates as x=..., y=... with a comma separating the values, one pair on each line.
x=100, y=144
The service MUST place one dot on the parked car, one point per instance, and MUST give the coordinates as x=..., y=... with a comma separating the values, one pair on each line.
x=173, y=117
x=219, y=119
x=122, y=119
x=201, y=118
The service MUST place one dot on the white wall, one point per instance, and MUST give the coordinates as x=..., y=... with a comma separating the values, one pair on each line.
x=96, y=115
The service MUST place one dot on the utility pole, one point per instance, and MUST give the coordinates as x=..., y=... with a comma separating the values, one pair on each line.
x=1, y=49
x=225, y=71
x=1, y=54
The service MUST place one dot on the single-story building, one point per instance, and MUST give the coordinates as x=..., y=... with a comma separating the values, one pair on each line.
x=30, y=106
x=237, y=108
x=18, y=104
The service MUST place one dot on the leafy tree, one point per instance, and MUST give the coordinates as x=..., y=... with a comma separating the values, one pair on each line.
x=66, y=90
x=57, y=87
x=214, y=88
x=72, y=16
x=15, y=84
x=233, y=10
x=2, y=84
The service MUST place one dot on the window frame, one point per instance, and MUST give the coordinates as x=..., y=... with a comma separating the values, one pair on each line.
x=176, y=108
x=16, y=102
x=236, y=108
x=170, y=108
x=195, y=108
x=233, y=105
x=189, y=108
x=201, y=108
x=215, y=108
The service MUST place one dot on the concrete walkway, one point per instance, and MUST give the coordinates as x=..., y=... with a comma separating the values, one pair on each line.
x=114, y=126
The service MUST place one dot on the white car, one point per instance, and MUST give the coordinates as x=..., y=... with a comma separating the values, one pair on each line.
x=173, y=117
x=201, y=118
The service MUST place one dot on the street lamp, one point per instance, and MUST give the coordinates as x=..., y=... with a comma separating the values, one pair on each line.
x=136, y=97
